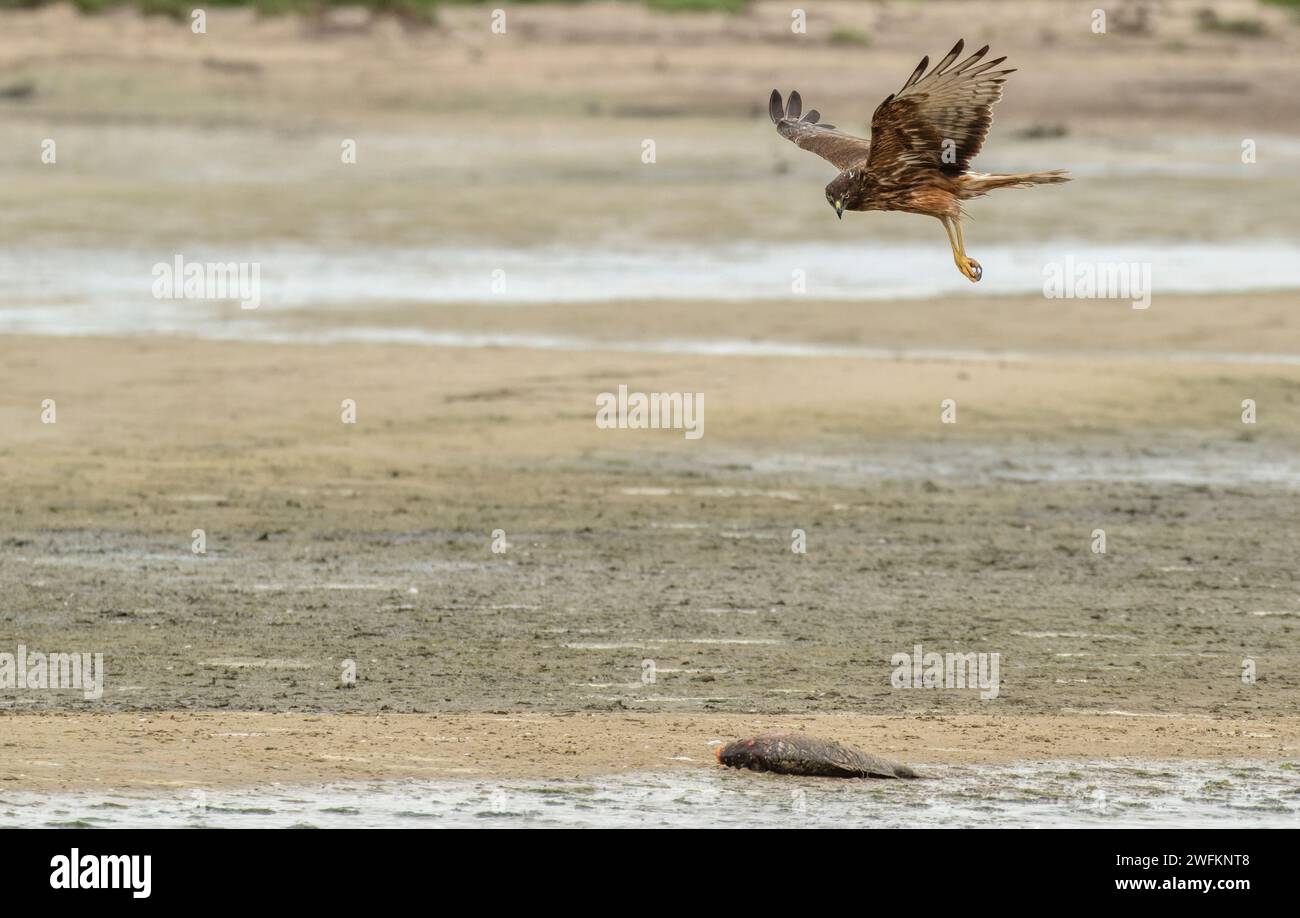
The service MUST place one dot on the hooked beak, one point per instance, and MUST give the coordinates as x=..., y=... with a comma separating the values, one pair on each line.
x=839, y=208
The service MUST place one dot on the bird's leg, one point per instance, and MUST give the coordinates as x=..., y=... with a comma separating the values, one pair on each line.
x=973, y=268
x=967, y=266
x=952, y=239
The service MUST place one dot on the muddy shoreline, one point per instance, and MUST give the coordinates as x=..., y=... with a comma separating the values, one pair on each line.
x=177, y=751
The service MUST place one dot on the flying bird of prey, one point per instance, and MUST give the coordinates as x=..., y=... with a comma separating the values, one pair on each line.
x=923, y=138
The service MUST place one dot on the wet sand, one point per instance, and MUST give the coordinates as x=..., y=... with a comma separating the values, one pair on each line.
x=215, y=750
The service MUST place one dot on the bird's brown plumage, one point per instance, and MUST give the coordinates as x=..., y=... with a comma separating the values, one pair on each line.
x=938, y=119
x=923, y=138
x=839, y=149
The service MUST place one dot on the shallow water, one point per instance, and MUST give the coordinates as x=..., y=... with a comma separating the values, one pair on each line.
x=311, y=296
x=107, y=290
x=1221, y=464
x=1142, y=794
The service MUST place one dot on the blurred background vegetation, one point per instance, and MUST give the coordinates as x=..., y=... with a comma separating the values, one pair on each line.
x=426, y=11
x=415, y=10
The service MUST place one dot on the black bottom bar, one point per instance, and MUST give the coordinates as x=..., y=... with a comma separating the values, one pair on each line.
x=1224, y=867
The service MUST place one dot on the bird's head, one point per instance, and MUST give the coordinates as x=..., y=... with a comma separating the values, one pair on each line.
x=842, y=193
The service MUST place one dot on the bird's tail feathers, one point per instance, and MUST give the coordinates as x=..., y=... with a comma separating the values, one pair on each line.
x=974, y=184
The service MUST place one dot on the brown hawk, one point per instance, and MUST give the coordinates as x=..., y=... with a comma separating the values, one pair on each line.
x=923, y=138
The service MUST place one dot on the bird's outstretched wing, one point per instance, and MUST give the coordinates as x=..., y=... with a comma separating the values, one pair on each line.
x=840, y=149
x=938, y=119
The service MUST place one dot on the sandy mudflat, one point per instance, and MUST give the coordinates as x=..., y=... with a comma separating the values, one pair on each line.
x=177, y=751
x=372, y=542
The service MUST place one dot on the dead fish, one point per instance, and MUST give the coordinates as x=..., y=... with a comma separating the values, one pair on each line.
x=799, y=754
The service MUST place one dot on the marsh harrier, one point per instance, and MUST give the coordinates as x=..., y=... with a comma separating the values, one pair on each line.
x=923, y=138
